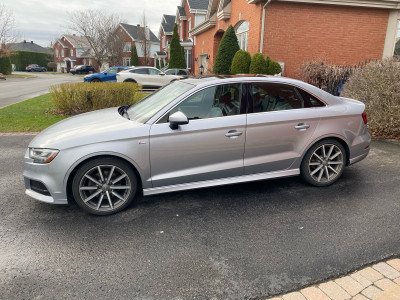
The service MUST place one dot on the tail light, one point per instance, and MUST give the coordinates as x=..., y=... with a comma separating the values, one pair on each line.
x=364, y=116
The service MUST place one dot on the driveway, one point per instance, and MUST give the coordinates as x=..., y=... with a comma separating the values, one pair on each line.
x=14, y=90
x=245, y=241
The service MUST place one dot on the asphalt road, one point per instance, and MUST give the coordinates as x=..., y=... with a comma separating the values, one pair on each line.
x=246, y=241
x=14, y=90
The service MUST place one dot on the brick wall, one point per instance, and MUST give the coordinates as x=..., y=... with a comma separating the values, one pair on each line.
x=296, y=33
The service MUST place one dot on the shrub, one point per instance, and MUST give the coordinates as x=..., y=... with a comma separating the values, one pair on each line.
x=226, y=51
x=273, y=67
x=134, y=56
x=75, y=98
x=157, y=64
x=378, y=86
x=162, y=64
x=177, y=57
x=258, y=64
x=5, y=65
x=52, y=65
x=241, y=62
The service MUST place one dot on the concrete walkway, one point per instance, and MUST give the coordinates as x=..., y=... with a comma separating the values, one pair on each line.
x=377, y=282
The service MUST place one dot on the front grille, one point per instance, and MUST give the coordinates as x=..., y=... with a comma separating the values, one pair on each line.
x=39, y=187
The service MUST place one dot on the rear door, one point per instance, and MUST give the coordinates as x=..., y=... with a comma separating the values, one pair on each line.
x=280, y=124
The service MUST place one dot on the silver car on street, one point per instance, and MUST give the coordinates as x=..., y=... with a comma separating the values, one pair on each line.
x=196, y=133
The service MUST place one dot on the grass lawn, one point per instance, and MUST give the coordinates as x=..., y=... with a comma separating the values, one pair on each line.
x=20, y=76
x=28, y=115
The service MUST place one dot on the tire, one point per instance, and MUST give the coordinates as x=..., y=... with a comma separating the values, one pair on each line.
x=130, y=80
x=323, y=163
x=95, y=80
x=93, y=192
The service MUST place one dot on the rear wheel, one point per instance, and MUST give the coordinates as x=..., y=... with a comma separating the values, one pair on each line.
x=323, y=163
x=95, y=80
x=104, y=186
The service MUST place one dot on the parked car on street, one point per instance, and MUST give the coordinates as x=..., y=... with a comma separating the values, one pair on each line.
x=35, y=68
x=147, y=77
x=197, y=133
x=184, y=73
x=82, y=69
x=107, y=75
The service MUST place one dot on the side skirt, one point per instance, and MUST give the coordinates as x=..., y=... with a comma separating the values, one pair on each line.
x=215, y=182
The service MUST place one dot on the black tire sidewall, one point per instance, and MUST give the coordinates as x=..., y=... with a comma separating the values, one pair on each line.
x=304, y=168
x=104, y=161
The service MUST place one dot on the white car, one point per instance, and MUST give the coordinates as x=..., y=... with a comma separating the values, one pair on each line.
x=147, y=77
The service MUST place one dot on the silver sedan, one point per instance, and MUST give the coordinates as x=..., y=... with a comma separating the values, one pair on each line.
x=197, y=133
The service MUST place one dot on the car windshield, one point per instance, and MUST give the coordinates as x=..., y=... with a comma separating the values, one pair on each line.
x=142, y=111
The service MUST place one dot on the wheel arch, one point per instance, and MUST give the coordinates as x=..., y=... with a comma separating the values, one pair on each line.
x=340, y=139
x=75, y=167
x=130, y=80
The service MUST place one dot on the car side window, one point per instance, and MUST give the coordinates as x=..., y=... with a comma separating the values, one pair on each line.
x=170, y=72
x=310, y=100
x=212, y=102
x=140, y=71
x=275, y=96
x=112, y=71
x=154, y=72
x=182, y=72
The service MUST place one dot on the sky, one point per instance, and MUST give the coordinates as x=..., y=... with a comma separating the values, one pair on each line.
x=42, y=21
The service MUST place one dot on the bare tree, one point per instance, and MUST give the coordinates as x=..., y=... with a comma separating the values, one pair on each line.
x=99, y=30
x=7, y=23
x=144, y=41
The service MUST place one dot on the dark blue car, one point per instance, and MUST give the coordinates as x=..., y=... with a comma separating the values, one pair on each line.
x=107, y=75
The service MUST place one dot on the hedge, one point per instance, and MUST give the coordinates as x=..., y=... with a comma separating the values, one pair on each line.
x=273, y=67
x=75, y=98
x=23, y=58
x=241, y=62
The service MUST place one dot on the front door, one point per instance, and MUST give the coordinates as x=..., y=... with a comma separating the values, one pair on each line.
x=210, y=147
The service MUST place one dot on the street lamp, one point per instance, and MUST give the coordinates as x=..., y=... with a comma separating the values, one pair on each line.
x=201, y=69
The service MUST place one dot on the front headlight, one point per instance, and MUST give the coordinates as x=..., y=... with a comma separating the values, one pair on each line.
x=42, y=156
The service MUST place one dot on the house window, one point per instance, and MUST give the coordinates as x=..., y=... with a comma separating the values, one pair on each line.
x=397, y=45
x=242, y=33
x=127, y=47
x=57, y=52
x=126, y=61
x=62, y=52
x=188, y=54
x=72, y=52
x=190, y=25
x=163, y=41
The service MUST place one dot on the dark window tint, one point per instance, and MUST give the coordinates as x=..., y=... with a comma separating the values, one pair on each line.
x=170, y=72
x=212, y=102
x=310, y=100
x=182, y=72
x=140, y=71
x=153, y=71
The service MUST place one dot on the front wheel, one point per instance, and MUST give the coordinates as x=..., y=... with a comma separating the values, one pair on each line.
x=95, y=80
x=104, y=186
x=323, y=163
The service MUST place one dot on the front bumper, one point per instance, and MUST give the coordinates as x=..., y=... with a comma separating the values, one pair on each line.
x=50, y=175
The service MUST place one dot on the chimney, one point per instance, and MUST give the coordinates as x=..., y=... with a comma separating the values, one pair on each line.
x=138, y=25
x=31, y=42
x=25, y=41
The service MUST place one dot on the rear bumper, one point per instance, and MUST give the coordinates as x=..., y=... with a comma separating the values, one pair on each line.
x=360, y=148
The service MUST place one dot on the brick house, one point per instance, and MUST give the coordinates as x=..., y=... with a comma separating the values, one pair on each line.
x=342, y=32
x=72, y=50
x=188, y=15
x=165, y=35
x=132, y=34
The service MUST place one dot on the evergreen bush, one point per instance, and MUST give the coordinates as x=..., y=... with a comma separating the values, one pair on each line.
x=157, y=64
x=134, y=56
x=241, y=62
x=273, y=67
x=177, y=57
x=5, y=65
x=162, y=64
x=258, y=64
x=226, y=51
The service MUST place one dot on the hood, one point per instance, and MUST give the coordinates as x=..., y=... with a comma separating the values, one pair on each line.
x=89, y=128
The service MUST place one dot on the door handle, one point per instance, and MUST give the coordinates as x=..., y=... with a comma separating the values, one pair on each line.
x=302, y=126
x=233, y=134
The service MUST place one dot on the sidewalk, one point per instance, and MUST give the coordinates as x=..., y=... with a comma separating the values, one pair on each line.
x=377, y=282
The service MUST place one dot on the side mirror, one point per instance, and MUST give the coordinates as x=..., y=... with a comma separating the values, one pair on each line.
x=162, y=73
x=105, y=73
x=176, y=119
